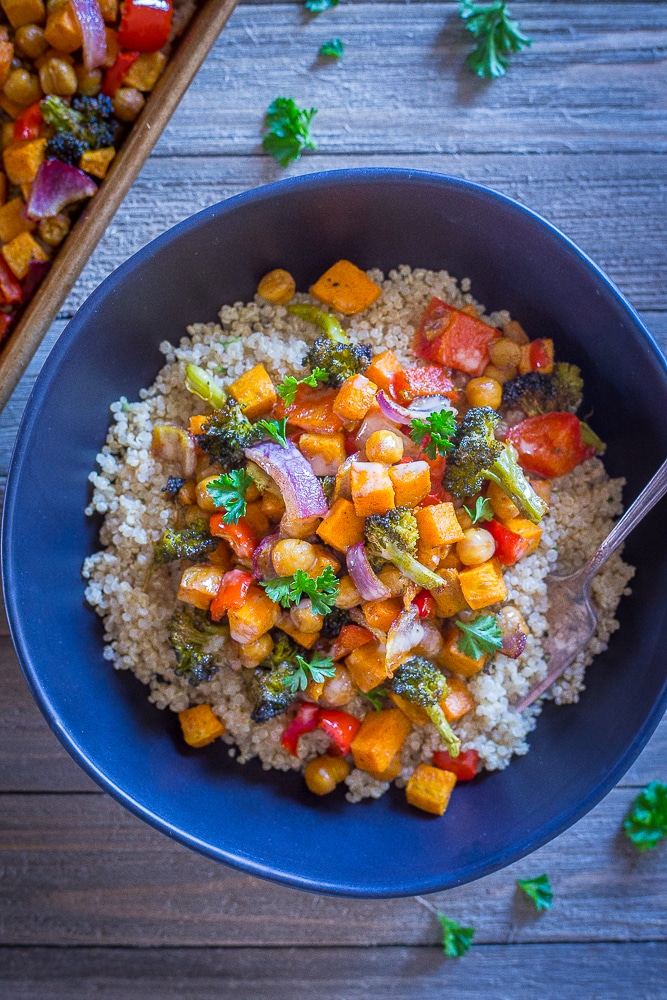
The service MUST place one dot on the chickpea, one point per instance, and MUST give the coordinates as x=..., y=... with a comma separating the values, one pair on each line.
x=89, y=81
x=195, y=513
x=339, y=689
x=128, y=103
x=273, y=505
x=393, y=579
x=252, y=653
x=57, y=76
x=30, y=40
x=515, y=332
x=384, y=446
x=22, y=87
x=252, y=493
x=7, y=134
x=54, y=229
x=322, y=560
x=277, y=287
x=464, y=518
x=324, y=773
x=348, y=595
x=504, y=353
x=299, y=527
x=305, y=619
x=258, y=519
x=499, y=374
x=188, y=493
x=291, y=554
x=484, y=391
x=476, y=546
x=204, y=498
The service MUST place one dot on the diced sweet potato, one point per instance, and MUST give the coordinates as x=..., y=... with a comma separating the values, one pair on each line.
x=20, y=12
x=305, y=639
x=23, y=160
x=450, y=558
x=503, y=508
x=438, y=524
x=430, y=789
x=381, y=614
x=197, y=423
x=62, y=29
x=342, y=527
x=200, y=725
x=6, y=56
x=459, y=701
x=379, y=739
x=11, y=107
x=325, y=452
x=346, y=287
x=483, y=585
x=411, y=482
x=97, y=161
x=257, y=615
x=390, y=772
x=372, y=491
x=382, y=369
x=254, y=392
x=145, y=72
x=453, y=659
x=367, y=666
x=415, y=713
x=20, y=252
x=532, y=533
x=450, y=599
x=109, y=9
x=199, y=585
x=355, y=397
x=13, y=220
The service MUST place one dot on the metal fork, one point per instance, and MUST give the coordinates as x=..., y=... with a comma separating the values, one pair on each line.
x=571, y=616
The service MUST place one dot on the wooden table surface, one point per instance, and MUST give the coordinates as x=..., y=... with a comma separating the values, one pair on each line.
x=96, y=904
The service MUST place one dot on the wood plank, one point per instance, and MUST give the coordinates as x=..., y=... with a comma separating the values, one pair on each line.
x=79, y=869
x=609, y=971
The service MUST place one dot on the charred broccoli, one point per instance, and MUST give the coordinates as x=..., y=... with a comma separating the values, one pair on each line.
x=538, y=393
x=393, y=537
x=477, y=456
x=328, y=484
x=418, y=681
x=187, y=636
x=66, y=147
x=174, y=484
x=270, y=685
x=193, y=542
x=333, y=353
x=334, y=622
x=87, y=120
x=226, y=433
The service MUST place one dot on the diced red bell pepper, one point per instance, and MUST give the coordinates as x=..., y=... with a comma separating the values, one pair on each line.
x=437, y=493
x=431, y=380
x=464, y=766
x=231, y=594
x=10, y=290
x=241, y=536
x=350, y=446
x=425, y=604
x=340, y=727
x=145, y=24
x=28, y=123
x=538, y=355
x=5, y=323
x=451, y=338
x=305, y=721
x=117, y=73
x=349, y=638
x=510, y=547
x=550, y=444
x=312, y=410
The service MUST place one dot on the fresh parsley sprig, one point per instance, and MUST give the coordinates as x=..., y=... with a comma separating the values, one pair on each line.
x=319, y=6
x=438, y=428
x=288, y=590
x=456, y=940
x=229, y=491
x=287, y=130
x=481, y=635
x=276, y=429
x=498, y=36
x=483, y=510
x=375, y=697
x=334, y=48
x=646, y=822
x=288, y=387
x=539, y=890
x=319, y=668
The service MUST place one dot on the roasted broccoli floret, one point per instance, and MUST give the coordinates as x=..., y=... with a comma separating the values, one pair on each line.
x=418, y=681
x=90, y=120
x=333, y=353
x=393, y=537
x=193, y=543
x=226, y=433
x=328, y=484
x=187, y=636
x=270, y=685
x=334, y=622
x=66, y=147
x=477, y=456
x=537, y=392
x=174, y=483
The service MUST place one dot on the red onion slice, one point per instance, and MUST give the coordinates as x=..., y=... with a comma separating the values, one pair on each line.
x=91, y=22
x=370, y=587
x=423, y=406
x=262, y=564
x=392, y=410
x=404, y=634
x=298, y=484
x=57, y=184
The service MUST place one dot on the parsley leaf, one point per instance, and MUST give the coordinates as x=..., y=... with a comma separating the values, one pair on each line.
x=483, y=511
x=481, y=635
x=319, y=668
x=287, y=130
x=334, y=48
x=456, y=940
x=322, y=591
x=318, y=6
x=539, y=890
x=439, y=428
x=375, y=697
x=229, y=491
x=498, y=36
x=276, y=429
x=287, y=388
x=646, y=822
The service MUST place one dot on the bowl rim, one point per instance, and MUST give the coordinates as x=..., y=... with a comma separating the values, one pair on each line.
x=49, y=372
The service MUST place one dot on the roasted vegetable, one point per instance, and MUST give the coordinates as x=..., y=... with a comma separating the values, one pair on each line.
x=418, y=681
x=188, y=633
x=477, y=456
x=193, y=543
x=87, y=120
x=334, y=622
x=340, y=361
x=226, y=433
x=270, y=686
x=393, y=537
x=66, y=147
x=539, y=393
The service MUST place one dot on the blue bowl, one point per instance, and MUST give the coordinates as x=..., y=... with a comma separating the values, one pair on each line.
x=263, y=822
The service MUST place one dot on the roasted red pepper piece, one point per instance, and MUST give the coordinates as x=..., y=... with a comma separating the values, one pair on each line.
x=231, y=594
x=340, y=727
x=305, y=721
x=28, y=123
x=145, y=24
x=464, y=766
x=451, y=338
x=510, y=547
x=241, y=536
x=349, y=638
x=115, y=76
x=430, y=380
x=425, y=604
x=437, y=494
x=312, y=411
x=550, y=445
x=10, y=290
x=539, y=356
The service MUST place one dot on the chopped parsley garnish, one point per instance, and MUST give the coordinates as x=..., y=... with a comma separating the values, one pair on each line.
x=539, y=890
x=319, y=6
x=438, y=428
x=483, y=511
x=322, y=591
x=229, y=491
x=646, y=822
x=456, y=940
x=287, y=388
x=276, y=429
x=481, y=635
x=498, y=36
x=375, y=697
x=287, y=130
x=333, y=48
x=319, y=668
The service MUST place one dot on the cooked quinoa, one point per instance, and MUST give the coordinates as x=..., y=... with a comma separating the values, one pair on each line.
x=136, y=599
